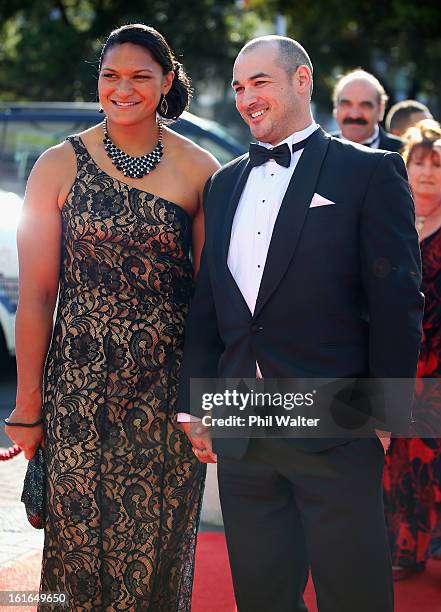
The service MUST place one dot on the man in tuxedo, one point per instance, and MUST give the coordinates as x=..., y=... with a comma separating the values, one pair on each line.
x=359, y=103
x=310, y=268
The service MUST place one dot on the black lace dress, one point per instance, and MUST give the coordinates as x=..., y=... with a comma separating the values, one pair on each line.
x=124, y=488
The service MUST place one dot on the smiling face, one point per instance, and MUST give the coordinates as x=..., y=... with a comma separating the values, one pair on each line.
x=424, y=170
x=131, y=83
x=358, y=110
x=272, y=104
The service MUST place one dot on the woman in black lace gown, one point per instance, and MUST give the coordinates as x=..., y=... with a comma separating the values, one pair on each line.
x=124, y=486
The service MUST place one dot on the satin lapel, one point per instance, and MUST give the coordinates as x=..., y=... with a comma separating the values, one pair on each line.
x=225, y=226
x=292, y=215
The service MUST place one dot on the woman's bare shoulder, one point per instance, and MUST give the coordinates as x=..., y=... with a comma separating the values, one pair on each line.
x=53, y=174
x=54, y=160
x=92, y=134
x=191, y=155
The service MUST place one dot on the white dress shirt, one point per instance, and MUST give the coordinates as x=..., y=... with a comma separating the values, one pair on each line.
x=255, y=217
x=254, y=221
x=373, y=141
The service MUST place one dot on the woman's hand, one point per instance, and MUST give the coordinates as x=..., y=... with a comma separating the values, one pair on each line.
x=27, y=438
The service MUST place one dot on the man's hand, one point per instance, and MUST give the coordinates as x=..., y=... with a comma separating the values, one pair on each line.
x=200, y=439
x=384, y=437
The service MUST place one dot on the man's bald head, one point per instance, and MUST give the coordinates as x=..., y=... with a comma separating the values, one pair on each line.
x=290, y=53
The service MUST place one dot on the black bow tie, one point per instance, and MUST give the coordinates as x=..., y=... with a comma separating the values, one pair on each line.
x=281, y=154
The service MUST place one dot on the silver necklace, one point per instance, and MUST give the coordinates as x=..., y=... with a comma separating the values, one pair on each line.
x=129, y=165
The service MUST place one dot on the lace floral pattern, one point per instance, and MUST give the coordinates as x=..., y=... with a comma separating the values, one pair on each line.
x=124, y=489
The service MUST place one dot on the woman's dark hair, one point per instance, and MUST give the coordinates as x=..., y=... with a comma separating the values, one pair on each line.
x=179, y=96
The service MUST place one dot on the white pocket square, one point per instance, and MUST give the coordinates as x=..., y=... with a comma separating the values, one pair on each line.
x=319, y=200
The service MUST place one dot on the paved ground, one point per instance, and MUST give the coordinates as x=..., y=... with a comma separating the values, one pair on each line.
x=17, y=537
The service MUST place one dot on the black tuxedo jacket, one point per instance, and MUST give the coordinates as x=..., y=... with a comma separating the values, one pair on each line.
x=340, y=293
x=389, y=142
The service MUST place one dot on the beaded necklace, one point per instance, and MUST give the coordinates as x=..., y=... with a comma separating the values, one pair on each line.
x=129, y=165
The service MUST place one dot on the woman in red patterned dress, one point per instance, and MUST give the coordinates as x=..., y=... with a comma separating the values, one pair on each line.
x=412, y=478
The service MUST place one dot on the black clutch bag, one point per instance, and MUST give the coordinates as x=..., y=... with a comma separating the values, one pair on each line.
x=34, y=489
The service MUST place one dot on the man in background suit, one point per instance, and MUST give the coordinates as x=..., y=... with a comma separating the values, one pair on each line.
x=359, y=103
x=405, y=114
x=310, y=268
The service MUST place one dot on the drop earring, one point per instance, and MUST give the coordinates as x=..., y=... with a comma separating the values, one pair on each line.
x=163, y=107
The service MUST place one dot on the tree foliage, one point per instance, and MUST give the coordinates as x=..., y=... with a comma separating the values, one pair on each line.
x=49, y=48
x=398, y=40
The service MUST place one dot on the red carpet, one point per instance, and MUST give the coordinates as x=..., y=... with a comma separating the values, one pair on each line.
x=213, y=591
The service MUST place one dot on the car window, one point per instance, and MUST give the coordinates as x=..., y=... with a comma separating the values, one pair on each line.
x=22, y=142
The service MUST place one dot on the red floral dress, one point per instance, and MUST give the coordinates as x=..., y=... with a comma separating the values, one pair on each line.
x=412, y=478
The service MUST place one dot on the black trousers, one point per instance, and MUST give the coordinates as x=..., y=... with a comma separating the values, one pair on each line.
x=286, y=510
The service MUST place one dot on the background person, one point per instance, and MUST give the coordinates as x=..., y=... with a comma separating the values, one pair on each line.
x=288, y=281
x=405, y=114
x=116, y=207
x=413, y=467
x=359, y=103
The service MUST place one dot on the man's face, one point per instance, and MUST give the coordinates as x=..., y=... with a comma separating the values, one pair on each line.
x=266, y=97
x=358, y=110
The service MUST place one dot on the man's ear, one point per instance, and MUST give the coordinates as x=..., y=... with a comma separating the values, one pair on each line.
x=303, y=79
x=381, y=112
